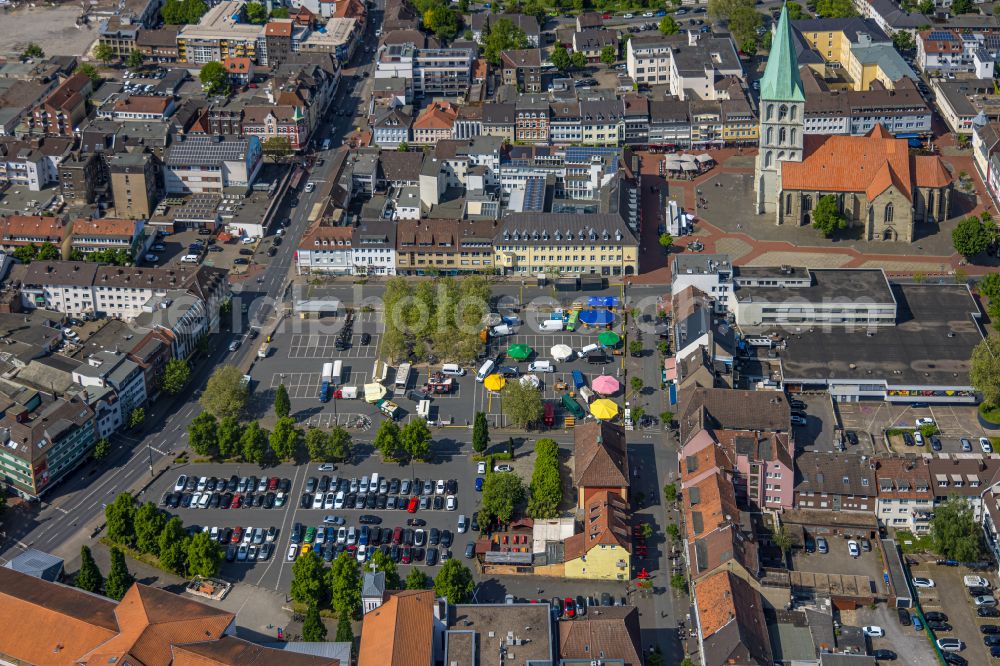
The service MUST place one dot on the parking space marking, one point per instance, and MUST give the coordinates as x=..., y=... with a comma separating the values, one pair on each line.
x=324, y=346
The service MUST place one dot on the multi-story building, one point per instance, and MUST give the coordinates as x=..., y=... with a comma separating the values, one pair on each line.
x=902, y=111
x=107, y=233
x=326, y=249
x=532, y=119
x=594, y=244
x=834, y=482
x=602, y=122
x=143, y=108
x=448, y=247
x=135, y=184
x=522, y=69
x=565, y=122
x=44, y=442
x=688, y=64
x=210, y=164
x=434, y=123
x=219, y=35
x=159, y=45
x=19, y=230
x=119, y=34
x=276, y=43
x=591, y=42
x=64, y=109
x=79, y=176
x=499, y=120
x=374, y=248
x=636, y=119
x=739, y=124
x=526, y=23
x=905, y=500
x=953, y=52
x=986, y=156
x=444, y=71
x=33, y=164
x=669, y=124
x=391, y=127
x=277, y=122
x=113, y=369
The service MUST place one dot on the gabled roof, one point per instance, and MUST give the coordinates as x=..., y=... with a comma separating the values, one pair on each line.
x=709, y=504
x=734, y=409
x=232, y=651
x=521, y=58
x=732, y=621
x=601, y=457
x=436, y=116
x=781, y=81
x=614, y=634
x=400, y=632
x=605, y=522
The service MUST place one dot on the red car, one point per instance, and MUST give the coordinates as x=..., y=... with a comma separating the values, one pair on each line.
x=407, y=555
x=272, y=484
x=606, y=15
x=569, y=607
x=237, y=501
x=237, y=534
x=412, y=506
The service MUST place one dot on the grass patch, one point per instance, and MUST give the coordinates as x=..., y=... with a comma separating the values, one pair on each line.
x=989, y=413
x=919, y=544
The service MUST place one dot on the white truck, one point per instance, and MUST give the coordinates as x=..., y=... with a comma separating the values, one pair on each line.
x=324, y=384
x=402, y=379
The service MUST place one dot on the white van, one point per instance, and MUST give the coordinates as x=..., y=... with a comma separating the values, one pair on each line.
x=551, y=325
x=190, y=259
x=589, y=348
x=363, y=485
x=541, y=366
x=452, y=369
x=485, y=370
x=501, y=330
x=373, y=484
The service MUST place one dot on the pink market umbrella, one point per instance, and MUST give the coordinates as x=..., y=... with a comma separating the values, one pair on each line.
x=606, y=385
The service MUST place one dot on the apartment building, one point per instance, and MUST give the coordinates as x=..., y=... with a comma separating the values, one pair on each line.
x=113, y=369
x=905, y=500
x=20, y=230
x=210, y=164
x=143, y=108
x=522, y=69
x=32, y=164
x=64, y=109
x=499, y=119
x=834, y=482
x=80, y=174
x=107, y=233
x=445, y=71
x=135, y=184
x=326, y=249
x=565, y=122
x=374, y=248
x=277, y=121
x=219, y=35
x=435, y=123
x=669, y=124
x=591, y=42
x=901, y=110
x=391, y=127
x=602, y=122
x=531, y=115
x=690, y=64
x=953, y=52
x=448, y=247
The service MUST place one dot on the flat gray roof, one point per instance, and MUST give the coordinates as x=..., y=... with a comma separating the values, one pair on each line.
x=936, y=329
x=862, y=285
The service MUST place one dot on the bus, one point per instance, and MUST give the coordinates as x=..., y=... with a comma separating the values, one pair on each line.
x=574, y=320
x=337, y=367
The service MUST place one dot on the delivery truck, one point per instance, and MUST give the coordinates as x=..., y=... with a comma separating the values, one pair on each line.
x=402, y=379
x=324, y=383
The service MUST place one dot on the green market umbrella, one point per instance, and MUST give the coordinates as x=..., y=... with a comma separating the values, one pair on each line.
x=609, y=338
x=520, y=352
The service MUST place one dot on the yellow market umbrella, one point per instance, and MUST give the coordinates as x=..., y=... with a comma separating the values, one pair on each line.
x=604, y=409
x=494, y=382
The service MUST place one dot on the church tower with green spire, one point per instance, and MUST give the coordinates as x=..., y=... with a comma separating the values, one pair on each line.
x=782, y=122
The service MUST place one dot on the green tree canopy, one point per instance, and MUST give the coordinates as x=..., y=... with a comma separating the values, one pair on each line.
x=119, y=578
x=253, y=443
x=282, y=404
x=962, y=7
x=669, y=26
x=480, y=433
x=181, y=12
x=225, y=394
x=954, y=532
x=989, y=286
x=502, y=492
x=91, y=73
x=560, y=57
x=345, y=585
x=609, y=54
x=344, y=632
x=454, y=582
x=973, y=236
x=278, y=148
x=545, y=491
x=176, y=374
x=835, y=8
x=120, y=519
x=984, y=370
x=33, y=51
x=443, y=21
x=256, y=13
x=204, y=556
x=149, y=524
x=794, y=11
x=313, y=629
x=382, y=562
x=826, y=218
x=578, y=60
x=214, y=78
x=499, y=36
x=134, y=60
x=173, y=546
x=104, y=52
x=285, y=438
x=521, y=404
x=89, y=577
x=415, y=439
x=387, y=440
x=202, y=436
x=307, y=580
x=416, y=579
x=101, y=449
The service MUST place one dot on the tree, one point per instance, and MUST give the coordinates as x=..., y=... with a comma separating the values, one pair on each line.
x=794, y=11
x=204, y=556
x=227, y=437
x=104, y=52
x=214, y=79
x=277, y=148
x=387, y=440
x=666, y=240
x=176, y=374
x=463, y=6
x=149, y=524
x=984, y=370
x=973, y=236
x=989, y=286
x=344, y=632
x=202, y=435
x=282, y=404
x=415, y=438
x=578, y=60
x=119, y=578
x=781, y=539
x=101, y=449
x=33, y=50
x=134, y=60
x=173, y=546
x=89, y=577
x=560, y=57
x=546, y=493
x=442, y=21
x=668, y=26
x=180, y=12
x=313, y=629
x=339, y=444
x=902, y=40
x=286, y=438
x=480, y=433
x=91, y=73
x=253, y=443
x=670, y=493
x=954, y=533
x=679, y=582
x=454, y=582
x=962, y=7
x=637, y=384
x=502, y=492
x=48, y=252
x=502, y=35
x=416, y=579
x=382, y=562
x=926, y=7
x=403, y=147
x=836, y=8
x=256, y=13
x=609, y=54
x=317, y=443
x=307, y=579
x=743, y=24
x=225, y=394
x=522, y=404
x=826, y=218
x=120, y=519
x=136, y=417
x=345, y=585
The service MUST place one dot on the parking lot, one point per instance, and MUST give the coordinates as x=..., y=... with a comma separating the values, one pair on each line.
x=874, y=417
x=950, y=596
x=821, y=422
x=839, y=561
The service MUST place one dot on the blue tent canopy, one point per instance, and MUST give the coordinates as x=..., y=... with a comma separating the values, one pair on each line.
x=597, y=317
x=603, y=302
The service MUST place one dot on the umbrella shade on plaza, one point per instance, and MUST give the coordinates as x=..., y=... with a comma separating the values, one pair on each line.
x=520, y=352
x=561, y=352
x=374, y=392
x=597, y=317
x=609, y=338
x=604, y=409
x=531, y=381
x=494, y=382
x=606, y=385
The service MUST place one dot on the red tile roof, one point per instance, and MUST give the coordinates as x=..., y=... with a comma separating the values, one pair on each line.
x=400, y=632
x=605, y=523
x=278, y=28
x=437, y=115
x=142, y=104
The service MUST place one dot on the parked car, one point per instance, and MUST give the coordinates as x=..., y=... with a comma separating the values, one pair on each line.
x=873, y=631
x=821, y=546
x=904, y=616
x=923, y=582
x=884, y=655
x=853, y=548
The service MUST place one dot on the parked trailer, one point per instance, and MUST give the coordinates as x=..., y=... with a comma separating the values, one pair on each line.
x=338, y=367
x=402, y=379
x=324, y=385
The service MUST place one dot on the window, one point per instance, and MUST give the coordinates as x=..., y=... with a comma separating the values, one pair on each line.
x=782, y=112
x=888, y=212
x=782, y=136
